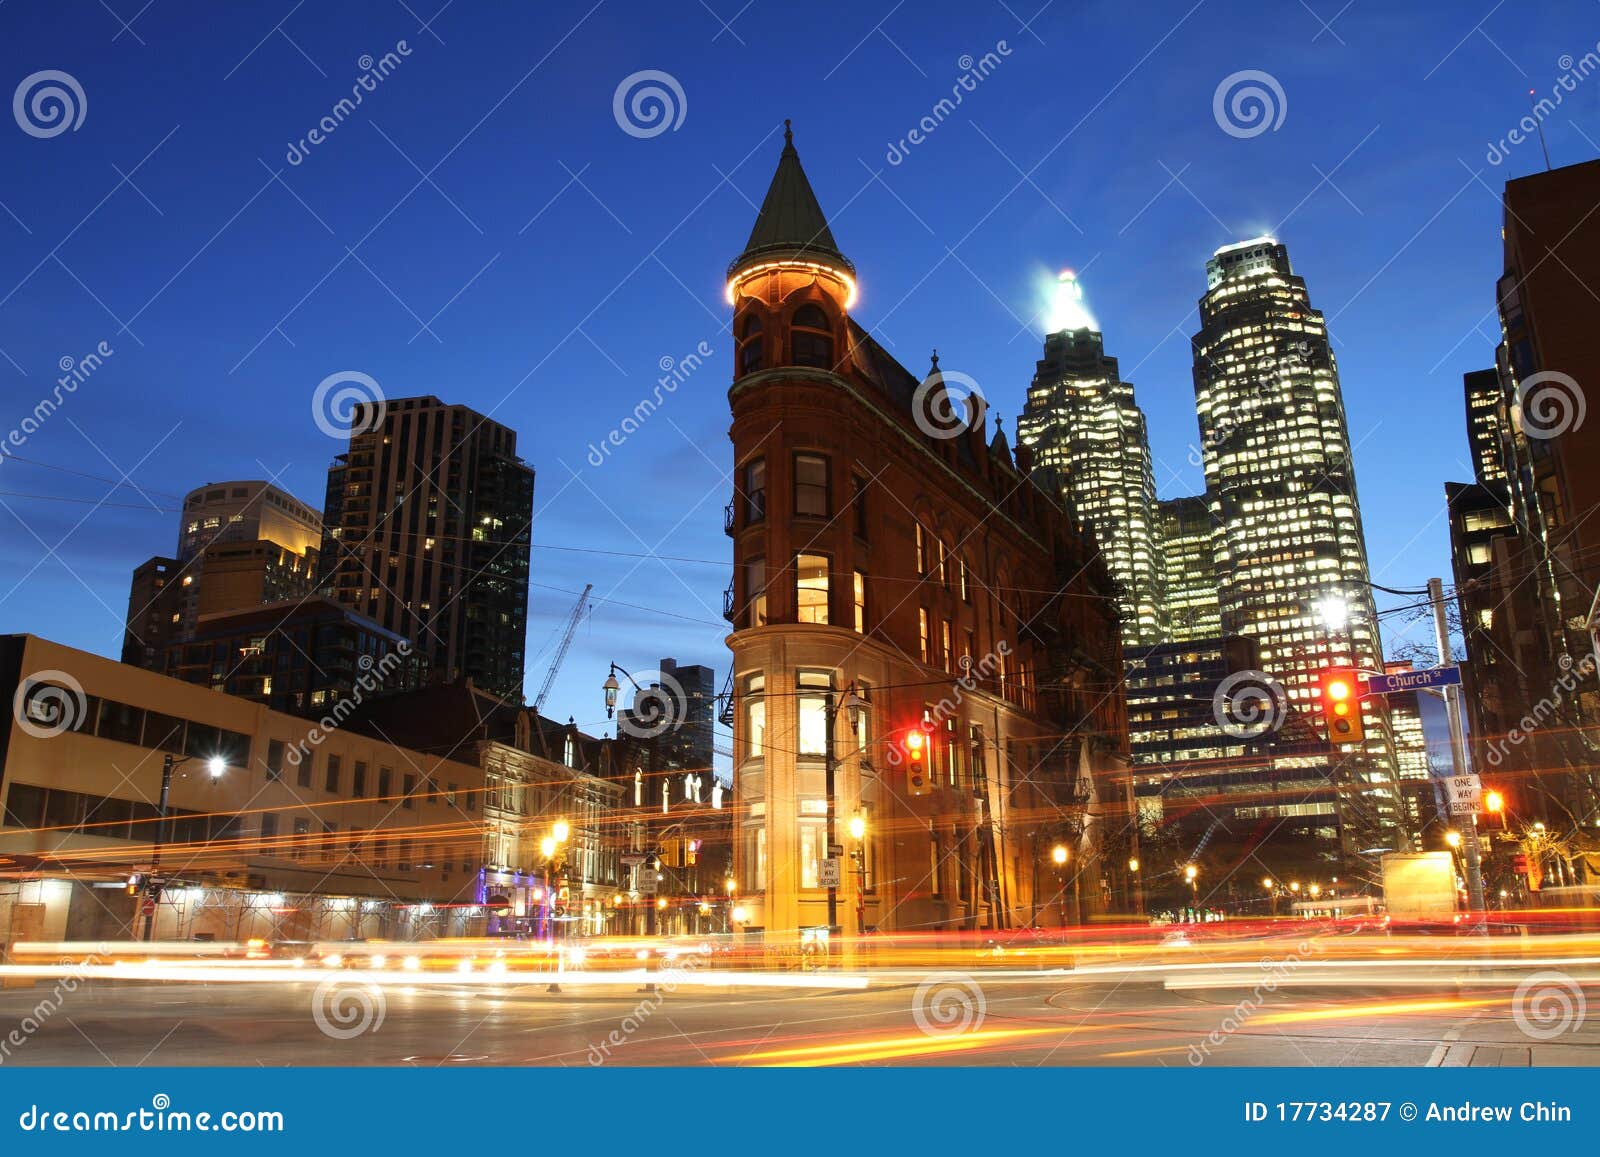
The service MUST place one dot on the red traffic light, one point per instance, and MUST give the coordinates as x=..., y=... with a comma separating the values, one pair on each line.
x=1341, y=710
x=915, y=742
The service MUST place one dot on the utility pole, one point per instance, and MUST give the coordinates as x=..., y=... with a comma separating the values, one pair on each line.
x=1458, y=749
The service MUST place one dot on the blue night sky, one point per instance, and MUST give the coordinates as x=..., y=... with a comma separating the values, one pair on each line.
x=482, y=229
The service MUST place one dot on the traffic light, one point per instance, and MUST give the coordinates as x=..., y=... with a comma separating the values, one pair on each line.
x=1341, y=706
x=916, y=745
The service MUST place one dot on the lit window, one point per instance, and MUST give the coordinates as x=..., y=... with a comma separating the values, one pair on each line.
x=860, y=597
x=811, y=588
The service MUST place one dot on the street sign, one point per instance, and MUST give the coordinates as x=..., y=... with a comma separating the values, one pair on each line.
x=1519, y=864
x=649, y=881
x=633, y=859
x=1465, y=793
x=828, y=874
x=1413, y=680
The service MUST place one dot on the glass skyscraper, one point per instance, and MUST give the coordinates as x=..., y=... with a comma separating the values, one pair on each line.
x=1082, y=422
x=1291, y=560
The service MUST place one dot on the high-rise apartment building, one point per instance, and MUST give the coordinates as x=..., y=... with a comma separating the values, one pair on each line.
x=429, y=520
x=1290, y=553
x=1081, y=421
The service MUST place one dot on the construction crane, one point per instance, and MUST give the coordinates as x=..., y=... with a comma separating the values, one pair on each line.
x=566, y=644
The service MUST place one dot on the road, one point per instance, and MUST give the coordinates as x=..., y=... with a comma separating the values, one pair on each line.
x=994, y=1019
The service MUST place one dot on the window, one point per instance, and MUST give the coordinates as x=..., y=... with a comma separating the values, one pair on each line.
x=269, y=829
x=966, y=589
x=924, y=638
x=303, y=767
x=944, y=646
x=755, y=490
x=275, y=753
x=755, y=716
x=811, y=485
x=385, y=781
x=302, y=828
x=953, y=740
x=358, y=780
x=811, y=588
x=755, y=592
x=858, y=500
x=813, y=832
x=409, y=800
x=859, y=596
x=750, y=344
x=815, y=687
x=811, y=338
x=935, y=862
x=331, y=777
x=970, y=653
x=755, y=858
x=922, y=550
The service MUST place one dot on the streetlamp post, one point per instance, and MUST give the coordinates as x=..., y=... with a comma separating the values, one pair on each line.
x=858, y=832
x=1058, y=857
x=169, y=764
x=1138, y=885
x=1192, y=874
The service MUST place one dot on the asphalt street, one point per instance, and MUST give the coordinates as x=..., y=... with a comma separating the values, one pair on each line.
x=990, y=1020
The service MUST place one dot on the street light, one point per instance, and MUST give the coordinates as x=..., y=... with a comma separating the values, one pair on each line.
x=1058, y=854
x=1192, y=874
x=1453, y=839
x=858, y=831
x=216, y=765
x=561, y=831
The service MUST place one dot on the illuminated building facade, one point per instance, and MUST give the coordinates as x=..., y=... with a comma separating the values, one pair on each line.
x=1290, y=553
x=429, y=520
x=1081, y=421
x=913, y=576
x=306, y=834
x=240, y=544
x=1189, y=568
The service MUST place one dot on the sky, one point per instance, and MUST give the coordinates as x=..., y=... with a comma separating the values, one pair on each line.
x=497, y=223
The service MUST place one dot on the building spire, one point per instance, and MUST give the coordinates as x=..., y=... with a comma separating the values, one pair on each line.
x=791, y=225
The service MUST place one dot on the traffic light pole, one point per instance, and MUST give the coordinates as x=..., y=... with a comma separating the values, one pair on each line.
x=1473, y=852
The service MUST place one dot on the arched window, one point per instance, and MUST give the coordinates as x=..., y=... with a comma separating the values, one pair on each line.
x=811, y=338
x=750, y=346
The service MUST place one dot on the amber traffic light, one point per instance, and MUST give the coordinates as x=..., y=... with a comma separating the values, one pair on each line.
x=916, y=745
x=1341, y=706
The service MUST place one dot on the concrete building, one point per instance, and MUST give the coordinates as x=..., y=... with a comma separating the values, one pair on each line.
x=240, y=544
x=1290, y=552
x=1082, y=421
x=309, y=832
x=899, y=576
x=429, y=519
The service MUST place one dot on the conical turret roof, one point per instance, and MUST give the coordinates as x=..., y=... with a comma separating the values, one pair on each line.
x=791, y=224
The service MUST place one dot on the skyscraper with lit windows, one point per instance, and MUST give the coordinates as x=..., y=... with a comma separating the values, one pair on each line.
x=1081, y=421
x=1291, y=558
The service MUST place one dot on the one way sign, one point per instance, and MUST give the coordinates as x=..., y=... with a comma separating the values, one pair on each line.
x=1465, y=793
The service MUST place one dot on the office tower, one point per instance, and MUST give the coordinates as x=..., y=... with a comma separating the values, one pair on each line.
x=1291, y=557
x=240, y=544
x=1189, y=568
x=429, y=522
x=1081, y=421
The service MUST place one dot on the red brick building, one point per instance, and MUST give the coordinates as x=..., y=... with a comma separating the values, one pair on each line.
x=895, y=562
